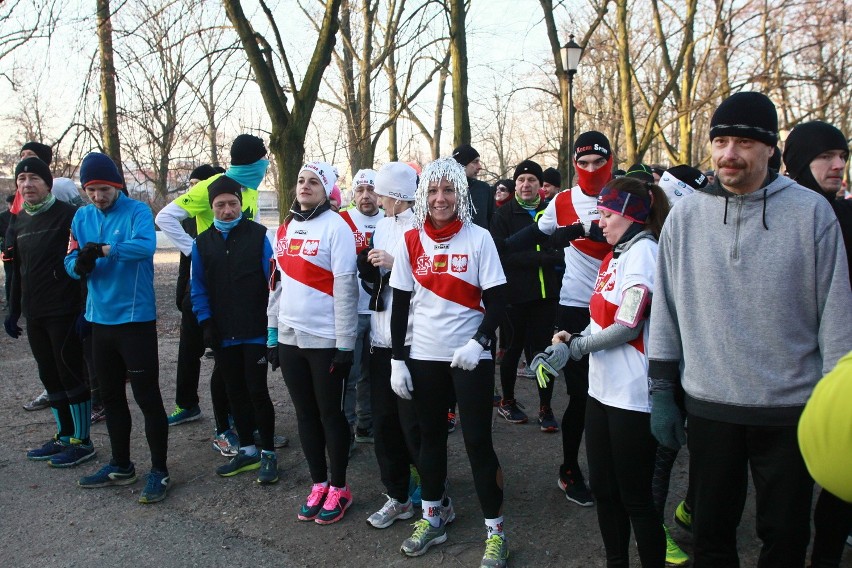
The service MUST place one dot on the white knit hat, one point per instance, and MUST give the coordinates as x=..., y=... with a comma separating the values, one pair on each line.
x=397, y=180
x=325, y=172
x=364, y=177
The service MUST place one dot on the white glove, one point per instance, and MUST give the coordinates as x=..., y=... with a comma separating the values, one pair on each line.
x=401, y=379
x=467, y=356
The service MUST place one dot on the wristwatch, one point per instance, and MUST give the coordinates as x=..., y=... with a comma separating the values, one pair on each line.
x=482, y=339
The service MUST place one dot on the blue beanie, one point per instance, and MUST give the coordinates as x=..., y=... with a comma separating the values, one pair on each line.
x=99, y=168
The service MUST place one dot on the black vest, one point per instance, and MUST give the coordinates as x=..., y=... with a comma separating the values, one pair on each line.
x=236, y=283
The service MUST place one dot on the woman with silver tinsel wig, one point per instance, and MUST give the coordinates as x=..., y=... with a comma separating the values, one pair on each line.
x=448, y=272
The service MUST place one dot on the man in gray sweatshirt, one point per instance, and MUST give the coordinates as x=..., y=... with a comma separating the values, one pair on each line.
x=752, y=306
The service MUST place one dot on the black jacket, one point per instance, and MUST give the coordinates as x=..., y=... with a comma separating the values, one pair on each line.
x=482, y=197
x=40, y=286
x=534, y=273
x=236, y=284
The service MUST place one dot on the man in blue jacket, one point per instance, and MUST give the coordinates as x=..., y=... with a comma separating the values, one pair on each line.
x=117, y=256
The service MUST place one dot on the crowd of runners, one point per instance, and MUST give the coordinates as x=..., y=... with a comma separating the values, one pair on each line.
x=678, y=307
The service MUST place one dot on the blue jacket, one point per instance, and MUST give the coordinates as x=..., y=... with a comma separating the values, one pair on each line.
x=121, y=287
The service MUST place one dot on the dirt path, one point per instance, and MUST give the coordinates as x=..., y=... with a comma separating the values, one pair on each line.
x=46, y=520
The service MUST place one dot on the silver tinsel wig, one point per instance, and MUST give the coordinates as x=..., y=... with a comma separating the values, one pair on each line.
x=453, y=172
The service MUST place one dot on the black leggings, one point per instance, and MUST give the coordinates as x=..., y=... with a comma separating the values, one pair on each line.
x=433, y=382
x=130, y=351
x=318, y=400
x=243, y=370
x=832, y=522
x=393, y=424
x=574, y=320
x=527, y=328
x=621, y=450
x=190, y=351
x=59, y=357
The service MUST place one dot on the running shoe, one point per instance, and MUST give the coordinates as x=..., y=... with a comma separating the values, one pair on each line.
x=240, y=463
x=109, y=475
x=227, y=443
x=277, y=441
x=155, y=488
x=546, y=421
x=75, y=453
x=268, y=473
x=451, y=422
x=364, y=436
x=336, y=503
x=683, y=516
x=574, y=486
x=184, y=415
x=495, y=400
x=38, y=403
x=311, y=508
x=496, y=552
x=47, y=450
x=511, y=411
x=674, y=555
x=524, y=372
x=448, y=513
x=98, y=414
x=391, y=511
x=424, y=536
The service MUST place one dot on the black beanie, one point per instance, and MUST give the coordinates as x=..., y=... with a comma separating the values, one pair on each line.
x=591, y=142
x=640, y=172
x=465, y=154
x=689, y=175
x=203, y=172
x=746, y=115
x=552, y=176
x=222, y=185
x=529, y=167
x=43, y=151
x=35, y=166
x=807, y=141
x=247, y=149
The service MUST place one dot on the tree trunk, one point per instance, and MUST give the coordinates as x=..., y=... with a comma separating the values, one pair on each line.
x=289, y=127
x=458, y=59
x=108, y=100
x=625, y=95
x=439, y=113
x=393, y=103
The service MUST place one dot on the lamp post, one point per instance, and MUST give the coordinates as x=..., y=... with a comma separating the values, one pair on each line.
x=571, y=53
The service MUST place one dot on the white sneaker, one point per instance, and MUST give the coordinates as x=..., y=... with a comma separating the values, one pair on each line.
x=391, y=511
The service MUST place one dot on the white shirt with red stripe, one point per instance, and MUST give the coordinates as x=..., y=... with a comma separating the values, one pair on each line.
x=447, y=280
x=583, y=257
x=362, y=228
x=618, y=376
x=309, y=255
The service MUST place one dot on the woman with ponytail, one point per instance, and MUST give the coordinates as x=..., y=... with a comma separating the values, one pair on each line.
x=619, y=445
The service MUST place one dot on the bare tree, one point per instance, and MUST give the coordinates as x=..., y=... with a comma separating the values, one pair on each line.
x=289, y=124
x=21, y=22
x=458, y=69
x=112, y=144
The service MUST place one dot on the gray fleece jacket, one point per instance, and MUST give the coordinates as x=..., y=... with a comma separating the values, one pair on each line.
x=752, y=303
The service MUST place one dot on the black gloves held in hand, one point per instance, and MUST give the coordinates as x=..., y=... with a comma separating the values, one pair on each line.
x=87, y=256
x=272, y=357
x=342, y=364
x=212, y=340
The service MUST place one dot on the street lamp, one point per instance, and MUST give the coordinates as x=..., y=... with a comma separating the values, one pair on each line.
x=571, y=53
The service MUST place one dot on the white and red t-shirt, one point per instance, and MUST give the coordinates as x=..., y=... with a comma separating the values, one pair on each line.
x=447, y=280
x=309, y=255
x=618, y=376
x=362, y=228
x=389, y=232
x=583, y=257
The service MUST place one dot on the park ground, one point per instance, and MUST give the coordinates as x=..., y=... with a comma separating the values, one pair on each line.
x=206, y=521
